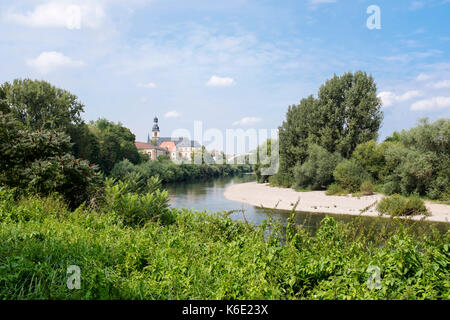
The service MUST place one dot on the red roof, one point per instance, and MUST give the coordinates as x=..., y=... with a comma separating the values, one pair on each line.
x=143, y=145
x=169, y=145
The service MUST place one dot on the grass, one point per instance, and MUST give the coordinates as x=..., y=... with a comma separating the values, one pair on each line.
x=397, y=205
x=203, y=256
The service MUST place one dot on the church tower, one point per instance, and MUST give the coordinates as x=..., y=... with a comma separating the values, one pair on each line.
x=155, y=129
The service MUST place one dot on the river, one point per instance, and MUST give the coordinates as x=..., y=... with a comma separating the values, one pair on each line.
x=208, y=196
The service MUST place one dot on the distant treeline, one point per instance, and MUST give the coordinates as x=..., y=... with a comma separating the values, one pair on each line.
x=168, y=171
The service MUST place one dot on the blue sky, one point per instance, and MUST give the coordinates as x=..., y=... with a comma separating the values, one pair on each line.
x=230, y=64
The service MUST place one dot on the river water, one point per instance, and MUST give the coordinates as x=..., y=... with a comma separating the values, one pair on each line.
x=208, y=196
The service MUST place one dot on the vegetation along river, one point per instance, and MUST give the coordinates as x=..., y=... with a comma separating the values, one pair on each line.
x=209, y=196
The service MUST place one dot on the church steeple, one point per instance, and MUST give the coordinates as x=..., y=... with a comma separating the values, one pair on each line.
x=155, y=129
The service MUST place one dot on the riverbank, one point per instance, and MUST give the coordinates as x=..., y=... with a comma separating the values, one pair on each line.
x=317, y=201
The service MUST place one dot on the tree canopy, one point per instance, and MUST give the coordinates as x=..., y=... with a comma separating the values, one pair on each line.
x=40, y=105
x=345, y=113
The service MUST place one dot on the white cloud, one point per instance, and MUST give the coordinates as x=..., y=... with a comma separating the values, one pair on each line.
x=431, y=104
x=50, y=61
x=247, y=121
x=423, y=77
x=416, y=5
x=70, y=15
x=408, y=57
x=216, y=81
x=442, y=84
x=149, y=85
x=172, y=114
x=389, y=98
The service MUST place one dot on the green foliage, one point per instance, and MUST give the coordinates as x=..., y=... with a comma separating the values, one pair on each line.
x=38, y=162
x=346, y=113
x=350, y=175
x=116, y=143
x=267, y=156
x=371, y=157
x=209, y=256
x=85, y=144
x=367, y=188
x=317, y=171
x=39, y=105
x=335, y=189
x=419, y=163
x=137, y=209
x=397, y=205
x=168, y=171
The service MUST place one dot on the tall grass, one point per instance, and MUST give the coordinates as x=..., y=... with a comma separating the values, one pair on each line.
x=209, y=256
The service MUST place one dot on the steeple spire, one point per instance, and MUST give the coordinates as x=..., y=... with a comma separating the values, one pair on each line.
x=155, y=129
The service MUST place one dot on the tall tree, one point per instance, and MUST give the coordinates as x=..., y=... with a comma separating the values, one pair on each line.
x=116, y=143
x=39, y=105
x=346, y=112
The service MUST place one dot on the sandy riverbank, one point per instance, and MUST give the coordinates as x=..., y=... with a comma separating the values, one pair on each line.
x=317, y=201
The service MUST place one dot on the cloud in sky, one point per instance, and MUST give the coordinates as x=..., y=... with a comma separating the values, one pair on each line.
x=389, y=98
x=442, y=84
x=216, y=81
x=149, y=85
x=70, y=15
x=415, y=5
x=50, y=61
x=172, y=114
x=247, y=121
x=423, y=77
x=417, y=55
x=434, y=103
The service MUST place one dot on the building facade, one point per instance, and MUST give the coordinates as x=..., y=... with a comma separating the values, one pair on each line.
x=152, y=151
x=175, y=147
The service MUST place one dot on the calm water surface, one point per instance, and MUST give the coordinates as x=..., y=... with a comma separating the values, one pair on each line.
x=208, y=196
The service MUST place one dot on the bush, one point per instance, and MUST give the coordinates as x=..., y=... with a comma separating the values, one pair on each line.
x=350, y=175
x=39, y=162
x=391, y=187
x=335, y=189
x=370, y=156
x=134, y=209
x=317, y=171
x=367, y=188
x=398, y=205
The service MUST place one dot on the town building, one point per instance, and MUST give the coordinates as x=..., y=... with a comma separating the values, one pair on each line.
x=177, y=148
x=152, y=151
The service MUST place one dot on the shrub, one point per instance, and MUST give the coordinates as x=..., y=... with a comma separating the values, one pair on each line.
x=367, y=188
x=350, y=175
x=391, y=187
x=370, y=156
x=398, y=205
x=134, y=209
x=335, y=189
x=317, y=171
x=39, y=162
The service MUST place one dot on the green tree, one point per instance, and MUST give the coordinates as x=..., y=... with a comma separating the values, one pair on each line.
x=317, y=171
x=347, y=112
x=116, y=143
x=40, y=162
x=39, y=105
